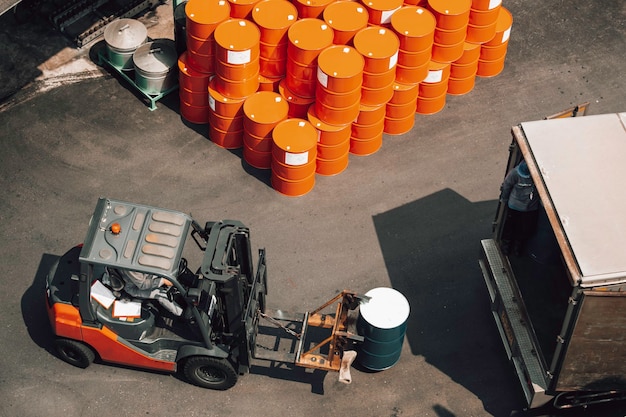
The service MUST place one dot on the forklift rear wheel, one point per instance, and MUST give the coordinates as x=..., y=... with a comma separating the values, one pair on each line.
x=212, y=373
x=74, y=352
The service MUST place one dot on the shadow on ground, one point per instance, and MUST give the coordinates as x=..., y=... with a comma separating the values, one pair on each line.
x=431, y=249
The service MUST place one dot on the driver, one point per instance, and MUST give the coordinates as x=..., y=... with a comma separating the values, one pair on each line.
x=142, y=285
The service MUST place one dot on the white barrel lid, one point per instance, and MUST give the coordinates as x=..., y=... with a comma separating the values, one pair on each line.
x=386, y=309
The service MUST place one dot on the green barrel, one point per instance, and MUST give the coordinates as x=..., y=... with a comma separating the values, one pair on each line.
x=382, y=322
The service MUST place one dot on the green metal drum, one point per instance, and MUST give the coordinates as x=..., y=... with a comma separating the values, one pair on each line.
x=382, y=322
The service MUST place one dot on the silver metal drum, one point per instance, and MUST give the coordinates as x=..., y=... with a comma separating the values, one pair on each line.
x=123, y=37
x=155, y=66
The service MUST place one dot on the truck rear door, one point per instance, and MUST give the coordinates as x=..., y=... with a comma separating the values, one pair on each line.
x=595, y=358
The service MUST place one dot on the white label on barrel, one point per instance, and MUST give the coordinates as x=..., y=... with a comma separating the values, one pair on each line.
x=506, y=35
x=211, y=102
x=385, y=16
x=296, y=158
x=322, y=77
x=494, y=3
x=393, y=60
x=434, y=76
x=238, y=57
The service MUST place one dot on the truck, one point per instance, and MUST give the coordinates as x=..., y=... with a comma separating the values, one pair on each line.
x=225, y=316
x=560, y=304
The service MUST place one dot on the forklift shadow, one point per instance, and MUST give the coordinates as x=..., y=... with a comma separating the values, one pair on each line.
x=431, y=248
x=33, y=305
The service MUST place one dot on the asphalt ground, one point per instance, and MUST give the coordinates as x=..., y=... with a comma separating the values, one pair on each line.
x=409, y=216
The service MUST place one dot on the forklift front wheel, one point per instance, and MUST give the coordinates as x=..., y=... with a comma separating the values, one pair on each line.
x=74, y=352
x=212, y=373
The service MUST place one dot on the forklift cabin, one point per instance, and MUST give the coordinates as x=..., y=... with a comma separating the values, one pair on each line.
x=560, y=305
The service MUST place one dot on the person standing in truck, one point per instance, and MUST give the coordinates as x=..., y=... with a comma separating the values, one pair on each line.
x=519, y=194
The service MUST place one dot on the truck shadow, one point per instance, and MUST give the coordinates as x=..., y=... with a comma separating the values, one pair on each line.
x=431, y=248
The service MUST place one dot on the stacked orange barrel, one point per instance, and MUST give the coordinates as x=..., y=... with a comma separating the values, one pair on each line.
x=366, y=133
x=379, y=46
x=452, y=18
x=338, y=99
x=274, y=17
x=482, y=20
x=237, y=74
x=432, y=91
x=333, y=145
x=203, y=17
x=346, y=18
x=298, y=106
x=415, y=28
x=226, y=118
x=197, y=63
x=193, y=92
x=262, y=112
x=338, y=88
x=493, y=53
x=400, y=110
x=294, y=153
x=307, y=38
x=463, y=70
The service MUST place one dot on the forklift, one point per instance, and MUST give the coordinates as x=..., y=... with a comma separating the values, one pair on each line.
x=224, y=301
x=560, y=303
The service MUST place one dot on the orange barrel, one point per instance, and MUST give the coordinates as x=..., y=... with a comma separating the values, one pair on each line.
x=430, y=105
x=482, y=24
x=415, y=27
x=262, y=112
x=413, y=59
x=493, y=53
x=237, y=42
x=194, y=114
x=227, y=138
x=203, y=16
x=274, y=17
x=449, y=36
x=237, y=71
x=346, y=18
x=242, y=9
x=379, y=46
x=333, y=145
x=340, y=69
x=369, y=115
x=227, y=124
x=485, y=5
x=189, y=78
x=338, y=100
x=503, y=28
x=471, y=53
x=436, y=83
x=363, y=146
x=447, y=53
x=376, y=96
x=463, y=70
x=379, y=79
x=273, y=68
x=201, y=46
x=380, y=11
x=400, y=111
x=338, y=116
x=404, y=93
x=294, y=154
x=450, y=15
x=307, y=39
x=223, y=105
x=193, y=98
x=311, y=8
x=329, y=135
x=298, y=105
x=200, y=62
x=410, y=74
x=460, y=86
x=399, y=126
x=268, y=83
